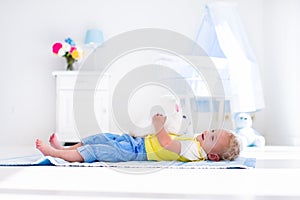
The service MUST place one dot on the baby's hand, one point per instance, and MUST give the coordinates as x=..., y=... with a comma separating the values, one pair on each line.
x=158, y=121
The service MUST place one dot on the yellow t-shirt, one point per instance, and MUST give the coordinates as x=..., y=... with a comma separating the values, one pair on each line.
x=190, y=150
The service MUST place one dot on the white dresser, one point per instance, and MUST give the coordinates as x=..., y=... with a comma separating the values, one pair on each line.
x=66, y=122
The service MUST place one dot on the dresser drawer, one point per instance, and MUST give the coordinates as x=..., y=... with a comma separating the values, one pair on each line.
x=68, y=82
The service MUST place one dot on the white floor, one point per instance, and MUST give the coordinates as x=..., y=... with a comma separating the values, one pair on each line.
x=276, y=176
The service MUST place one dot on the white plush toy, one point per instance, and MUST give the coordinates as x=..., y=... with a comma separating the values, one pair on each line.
x=176, y=121
x=248, y=135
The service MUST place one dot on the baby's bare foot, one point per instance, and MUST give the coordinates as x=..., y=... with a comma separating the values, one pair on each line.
x=55, y=142
x=46, y=149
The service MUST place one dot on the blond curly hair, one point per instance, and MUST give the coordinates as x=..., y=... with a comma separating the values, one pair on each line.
x=234, y=148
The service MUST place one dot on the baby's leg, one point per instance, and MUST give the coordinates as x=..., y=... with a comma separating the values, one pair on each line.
x=68, y=155
x=73, y=147
x=56, y=144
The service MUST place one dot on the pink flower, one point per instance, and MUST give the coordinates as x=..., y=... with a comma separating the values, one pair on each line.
x=72, y=49
x=56, y=47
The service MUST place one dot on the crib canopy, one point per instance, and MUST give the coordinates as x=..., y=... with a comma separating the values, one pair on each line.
x=221, y=35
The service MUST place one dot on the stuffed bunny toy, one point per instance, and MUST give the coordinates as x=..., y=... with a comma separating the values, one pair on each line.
x=243, y=129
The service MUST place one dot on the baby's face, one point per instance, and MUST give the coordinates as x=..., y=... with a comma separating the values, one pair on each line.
x=214, y=141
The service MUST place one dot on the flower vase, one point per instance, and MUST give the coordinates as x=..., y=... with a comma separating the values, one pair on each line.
x=70, y=63
x=70, y=67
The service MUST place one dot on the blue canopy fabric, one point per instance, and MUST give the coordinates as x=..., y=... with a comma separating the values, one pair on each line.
x=221, y=35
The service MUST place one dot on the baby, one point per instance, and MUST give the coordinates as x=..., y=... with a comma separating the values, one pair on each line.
x=213, y=145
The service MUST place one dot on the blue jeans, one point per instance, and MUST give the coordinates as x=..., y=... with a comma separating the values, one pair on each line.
x=112, y=148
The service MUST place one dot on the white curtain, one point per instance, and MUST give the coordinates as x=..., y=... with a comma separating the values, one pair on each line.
x=221, y=35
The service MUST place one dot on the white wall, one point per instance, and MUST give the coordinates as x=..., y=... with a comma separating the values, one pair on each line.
x=281, y=71
x=29, y=27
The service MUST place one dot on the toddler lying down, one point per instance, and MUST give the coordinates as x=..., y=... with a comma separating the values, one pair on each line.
x=213, y=145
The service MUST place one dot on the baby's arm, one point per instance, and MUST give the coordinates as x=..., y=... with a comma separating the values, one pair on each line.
x=163, y=137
